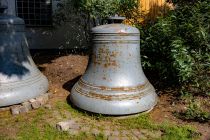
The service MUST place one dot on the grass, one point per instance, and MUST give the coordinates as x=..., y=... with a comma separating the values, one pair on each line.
x=63, y=106
x=100, y=137
x=3, y=137
x=47, y=132
x=76, y=112
x=170, y=131
x=34, y=132
x=35, y=125
x=40, y=125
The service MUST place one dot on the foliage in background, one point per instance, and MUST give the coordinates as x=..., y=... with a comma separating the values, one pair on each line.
x=105, y=8
x=99, y=10
x=94, y=9
x=177, y=47
x=88, y=13
x=194, y=112
x=67, y=15
x=185, y=1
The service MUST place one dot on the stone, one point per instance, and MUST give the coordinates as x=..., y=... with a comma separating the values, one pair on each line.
x=85, y=129
x=66, y=125
x=115, y=133
x=27, y=106
x=139, y=134
x=62, y=126
x=95, y=131
x=106, y=133
x=107, y=127
x=136, y=132
x=73, y=131
x=124, y=138
x=75, y=126
x=124, y=132
x=32, y=100
x=113, y=138
x=42, y=99
x=15, y=110
x=23, y=109
x=34, y=103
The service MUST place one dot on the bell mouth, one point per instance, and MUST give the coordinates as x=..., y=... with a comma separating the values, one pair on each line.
x=113, y=101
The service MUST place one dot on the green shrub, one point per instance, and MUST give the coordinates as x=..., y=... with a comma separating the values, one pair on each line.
x=194, y=112
x=104, y=8
x=177, y=47
x=88, y=13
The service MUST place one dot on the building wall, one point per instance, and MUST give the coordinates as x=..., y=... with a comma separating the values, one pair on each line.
x=67, y=36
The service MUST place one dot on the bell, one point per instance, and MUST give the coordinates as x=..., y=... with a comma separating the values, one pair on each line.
x=114, y=82
x=20, y=80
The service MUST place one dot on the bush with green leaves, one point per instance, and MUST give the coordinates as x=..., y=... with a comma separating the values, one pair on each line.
x=177, y=47
x=184, y=1
x=105, y=8
x=96, y=9
x=88, y=13
x=194, y=112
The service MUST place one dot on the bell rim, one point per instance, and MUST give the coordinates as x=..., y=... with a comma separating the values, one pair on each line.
x=11, y=95
x=132, y=106
x=126, y=111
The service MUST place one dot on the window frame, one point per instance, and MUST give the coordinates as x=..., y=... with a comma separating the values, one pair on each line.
x=37, y=25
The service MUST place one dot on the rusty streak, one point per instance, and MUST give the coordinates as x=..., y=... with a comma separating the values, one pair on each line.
x=82, y=83
x=109, y=97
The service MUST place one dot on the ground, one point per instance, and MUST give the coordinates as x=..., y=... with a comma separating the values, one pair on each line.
x=62, y=71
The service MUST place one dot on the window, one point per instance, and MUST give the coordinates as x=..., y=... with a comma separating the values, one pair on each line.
x=35, y=12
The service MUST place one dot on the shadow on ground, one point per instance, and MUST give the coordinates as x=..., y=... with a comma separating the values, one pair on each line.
x=42, y=56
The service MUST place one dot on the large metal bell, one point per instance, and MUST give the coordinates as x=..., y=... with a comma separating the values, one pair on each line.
x=20, y=80
x=114, y=82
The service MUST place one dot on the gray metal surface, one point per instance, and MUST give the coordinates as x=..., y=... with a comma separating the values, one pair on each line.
x=114, y=82
x=20, y=80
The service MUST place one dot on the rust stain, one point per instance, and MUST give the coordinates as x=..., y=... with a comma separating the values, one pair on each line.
x=83, y=83
x=105, y=57
x=103, y=87
x=95, y=95
x=122, y=32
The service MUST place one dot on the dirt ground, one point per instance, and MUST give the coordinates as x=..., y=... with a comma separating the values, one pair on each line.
x=63, y=71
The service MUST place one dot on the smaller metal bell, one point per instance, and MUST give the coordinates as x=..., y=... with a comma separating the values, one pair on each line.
x=114, y=82
x=20, y=80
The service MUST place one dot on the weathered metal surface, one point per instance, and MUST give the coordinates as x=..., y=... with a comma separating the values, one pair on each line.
x=114, y=82
x=20, y=80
